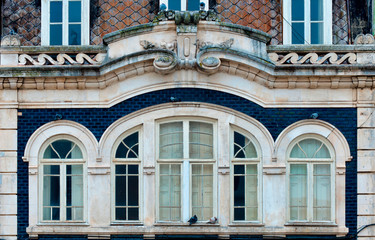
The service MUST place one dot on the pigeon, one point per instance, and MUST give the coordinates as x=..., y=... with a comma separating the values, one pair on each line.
x=193, y=219
x=212, y=220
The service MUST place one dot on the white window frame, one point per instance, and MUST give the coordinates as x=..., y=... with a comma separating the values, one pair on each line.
x=310, y=178
x=129, y=161
x=186, y=165
x=85, y=22
x=327, y=22
x=183, y=4
x=62, y=163
x=248, y=161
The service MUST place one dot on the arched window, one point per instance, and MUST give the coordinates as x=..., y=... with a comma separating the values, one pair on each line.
x=311, y=180
x=62, y=181
x=245, y=172
x=127, y=179
x=186, y=158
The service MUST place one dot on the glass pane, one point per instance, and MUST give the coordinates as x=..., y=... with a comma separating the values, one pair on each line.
x=55, y=213
x=133, y=190
x=56, y=11
x=239, y=214
x=120, y=169
x=74, y=34
x=132, y=169
x=298, y=33
x=201, y=140
x=298, y=10
x=63, y=149
x=51, y=169
x=128, y=148
x=74, y=11
x=120, y=191
x=120, y=213
x=171, y=140
x=55, y=34
x=310, y=148
x=251, y=214
x=47, y=213
x=322, y=192
x=239, y=191
x=316, y=10
x=317, y=33
x=243, y=147
x=251, y=192
x=239, y=169
x=174, y=5
x=133, y=214
x=202, y=191
x=298, y=192
x=170, y=192
x=193, y=5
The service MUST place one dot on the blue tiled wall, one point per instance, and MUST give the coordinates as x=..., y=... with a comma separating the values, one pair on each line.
x=275, y=119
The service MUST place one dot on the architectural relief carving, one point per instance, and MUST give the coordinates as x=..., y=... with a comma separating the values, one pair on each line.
x=364, y=39
x=10, y=40
x=227, y=44
x=313, y=58
x=192, y=17
x=163, y=45
x=61, y=59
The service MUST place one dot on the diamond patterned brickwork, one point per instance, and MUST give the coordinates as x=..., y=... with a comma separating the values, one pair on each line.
x=339, y=22
x=113, y=15
x=23, y=17
x=264, y=15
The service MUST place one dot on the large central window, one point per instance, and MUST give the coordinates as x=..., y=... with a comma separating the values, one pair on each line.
x=186, y=170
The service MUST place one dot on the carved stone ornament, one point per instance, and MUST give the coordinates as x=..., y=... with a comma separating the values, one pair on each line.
x=313, y=58
x=61, y=59
x=209, y=65
x=163, y=45
x=364, y=39
x=187, y=18
x=10, y=40
x=227, y=44
x=164, y=64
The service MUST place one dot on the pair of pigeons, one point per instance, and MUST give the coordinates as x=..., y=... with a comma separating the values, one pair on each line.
x=194, y=219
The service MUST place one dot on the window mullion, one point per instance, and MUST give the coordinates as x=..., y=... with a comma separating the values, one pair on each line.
x=63, y=192
x=183, y=5
x=307, y=22
x=185, y=140
x=310, y=193
x=186, y=191
x=65, y=22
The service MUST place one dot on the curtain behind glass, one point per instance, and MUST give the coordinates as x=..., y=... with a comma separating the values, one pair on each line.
x=74, y=192
x=51, y=192
x=200, y=140
x=171, y=143
x=298, y=192
x=170, y=192
x=322, y=192
x=202, y=191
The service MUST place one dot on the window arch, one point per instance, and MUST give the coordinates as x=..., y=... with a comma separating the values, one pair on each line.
x=62, y=180
x=246, y=168
x=126, y=178
x=311, y=179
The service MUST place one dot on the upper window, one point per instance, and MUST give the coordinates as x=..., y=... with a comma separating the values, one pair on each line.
x=126, y=179
x=62, y=182
x=184, y=5
x=307, y=22
x=186, y=158
x=311, y=181
x=65, y=22
x=245, y=168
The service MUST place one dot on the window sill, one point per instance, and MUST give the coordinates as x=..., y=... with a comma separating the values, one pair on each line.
x=181, y=224
x=83, y=224
x=246, y=224
x=127, y=223
x=312, y=224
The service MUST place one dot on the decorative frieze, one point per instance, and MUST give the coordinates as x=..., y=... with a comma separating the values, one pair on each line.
x=61, y=59
x=313, y=58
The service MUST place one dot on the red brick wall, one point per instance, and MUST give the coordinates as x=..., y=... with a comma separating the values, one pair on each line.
x=110, y=15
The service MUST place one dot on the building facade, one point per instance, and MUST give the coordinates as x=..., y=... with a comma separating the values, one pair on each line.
x=125, y=119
